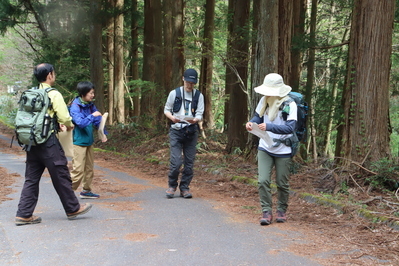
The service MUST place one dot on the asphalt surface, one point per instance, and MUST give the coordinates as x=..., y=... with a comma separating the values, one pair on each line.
x=174, y=231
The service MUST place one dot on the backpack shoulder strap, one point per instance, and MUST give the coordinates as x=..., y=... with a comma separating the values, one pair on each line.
x=50, y=89
x=47, y=90
x=196, y=96
x=178, y=100
x=178, y=92
x=194, y=103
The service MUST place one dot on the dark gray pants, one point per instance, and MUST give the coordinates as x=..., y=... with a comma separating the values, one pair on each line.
x=48, y=155
x=178, y=144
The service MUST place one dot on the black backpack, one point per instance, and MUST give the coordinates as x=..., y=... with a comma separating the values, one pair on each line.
x=302, y=114
x=179, y=100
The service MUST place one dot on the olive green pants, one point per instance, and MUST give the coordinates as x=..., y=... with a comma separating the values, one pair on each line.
x=265, y=167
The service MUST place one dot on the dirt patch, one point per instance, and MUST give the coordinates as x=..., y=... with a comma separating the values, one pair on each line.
x=139, y=237
x=6, y=180
x=332, y=237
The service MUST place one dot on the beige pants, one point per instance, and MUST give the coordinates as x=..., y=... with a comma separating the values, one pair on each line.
x=82, y=167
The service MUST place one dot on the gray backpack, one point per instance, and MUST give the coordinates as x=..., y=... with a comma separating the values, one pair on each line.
x=33, y=125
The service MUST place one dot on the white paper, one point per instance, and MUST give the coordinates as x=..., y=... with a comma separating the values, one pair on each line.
x=184, y=118
x=261, y=134
x=101, y=134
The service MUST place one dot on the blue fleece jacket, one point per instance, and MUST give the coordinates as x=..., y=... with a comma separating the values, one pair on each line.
x=84, y=122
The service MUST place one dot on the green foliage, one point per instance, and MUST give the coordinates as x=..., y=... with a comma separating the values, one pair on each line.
x=387, y=174
x=236, y=150
x=11, y=14
x=344, y=188
x=143, y=85
x=8, y=108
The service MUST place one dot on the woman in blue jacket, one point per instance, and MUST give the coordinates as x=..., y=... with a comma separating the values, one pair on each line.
x=85, y=116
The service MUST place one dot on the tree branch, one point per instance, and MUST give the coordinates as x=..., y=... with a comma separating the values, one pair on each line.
x=331, y=46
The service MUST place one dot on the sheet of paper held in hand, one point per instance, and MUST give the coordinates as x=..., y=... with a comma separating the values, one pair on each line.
x=184, y=118
x=261, y=134
x=101, y=134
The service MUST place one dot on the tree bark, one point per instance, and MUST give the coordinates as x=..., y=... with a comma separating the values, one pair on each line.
x=173, y=44
x=364, y=135
x=237, y=75
x=151, y=105
x=118, y=67
x=299, y=14
x=310, y=79
x=265, y=52
x=134, y=53
x=96, y=55
x=206, y=84
x=285, y=22
x=111, y=63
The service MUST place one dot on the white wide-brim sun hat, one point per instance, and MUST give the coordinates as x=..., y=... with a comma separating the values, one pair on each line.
x=273, y=85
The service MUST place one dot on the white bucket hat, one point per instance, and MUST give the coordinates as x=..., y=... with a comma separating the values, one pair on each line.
x=273, y=85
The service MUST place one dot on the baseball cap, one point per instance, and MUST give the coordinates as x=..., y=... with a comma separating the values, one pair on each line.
x=191, y=75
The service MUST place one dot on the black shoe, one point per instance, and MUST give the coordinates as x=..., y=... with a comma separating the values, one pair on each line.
x=31, y=220
x=170, y=193
x=266, y=218
x=186, y=194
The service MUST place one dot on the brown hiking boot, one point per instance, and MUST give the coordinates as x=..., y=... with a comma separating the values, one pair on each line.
x=170, y=193
x=84, y=208
x=186, y=194
x=266, y=218
x=281, y=217
x=31, y=220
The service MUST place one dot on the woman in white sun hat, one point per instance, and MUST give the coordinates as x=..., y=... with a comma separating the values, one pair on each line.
x=279, y=121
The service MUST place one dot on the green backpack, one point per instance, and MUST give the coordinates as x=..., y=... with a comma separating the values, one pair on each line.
x=33, y=125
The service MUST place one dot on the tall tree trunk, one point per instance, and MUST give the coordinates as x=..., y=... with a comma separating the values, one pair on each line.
x=118, y=74
x=285, y=21
x=333, y=83
x=299, y=14
x=151, y=105
x=173, y=44
x=365, y=132
x=267, y=42
x=205, y=85
x=310, y=78
x=111, y=63
x=237, y=75
x=265, y=52
x=178, y=36
x=134, y=53
x=229, y=72
x=96, y=55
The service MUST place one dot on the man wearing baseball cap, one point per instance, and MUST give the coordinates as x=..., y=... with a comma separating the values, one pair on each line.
x=184, y=107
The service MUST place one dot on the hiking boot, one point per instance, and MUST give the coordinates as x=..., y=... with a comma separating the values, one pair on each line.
x=31, y=220
x=170, y=193
x=84, y=208
x=266, y=218
x=88, y=195
x=281, y=217
x=186, y=194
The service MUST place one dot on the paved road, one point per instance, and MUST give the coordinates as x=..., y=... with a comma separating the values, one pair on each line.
x=163, y=232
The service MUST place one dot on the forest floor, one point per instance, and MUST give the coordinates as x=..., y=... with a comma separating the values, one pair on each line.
x=330, y=222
